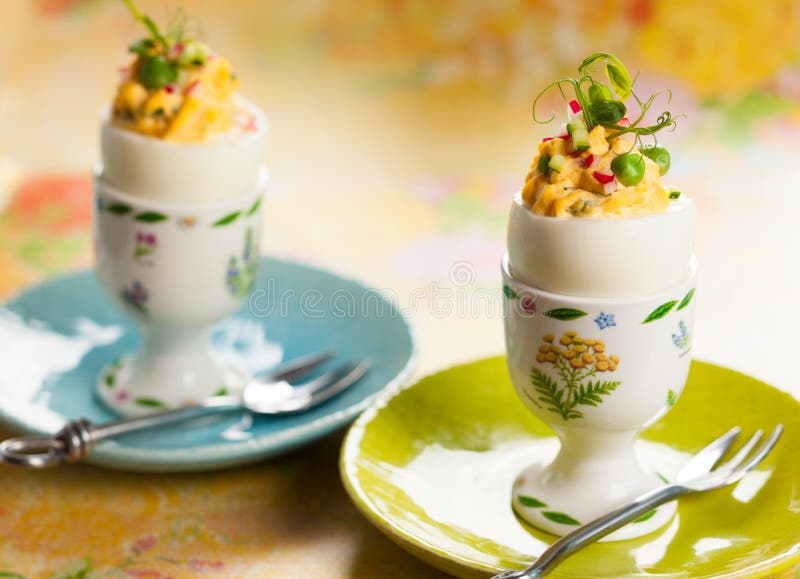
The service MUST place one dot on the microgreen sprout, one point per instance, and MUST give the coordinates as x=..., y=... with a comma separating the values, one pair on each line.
x=605, y=108
x=598, y=103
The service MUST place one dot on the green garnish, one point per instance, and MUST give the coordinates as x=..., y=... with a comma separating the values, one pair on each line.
x=658, y=154
x=603, y=107
x=674, y=193
x=629, y=168
x=162, y=53
x=157, y=72
x=148, y=23
x=543, y=166
x=557, y=163
x=580, y=136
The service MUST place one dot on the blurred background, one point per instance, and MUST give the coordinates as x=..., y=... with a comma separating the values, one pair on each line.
x=400, y=130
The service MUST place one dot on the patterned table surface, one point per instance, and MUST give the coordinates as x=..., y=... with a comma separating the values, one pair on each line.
x=399, y=132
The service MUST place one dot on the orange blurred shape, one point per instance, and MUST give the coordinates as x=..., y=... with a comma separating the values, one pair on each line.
x=53, y=203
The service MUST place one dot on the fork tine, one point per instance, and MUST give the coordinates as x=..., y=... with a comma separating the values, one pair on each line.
x=759, y=455
x=297, y=368
x=354, y=374
x=744, y=452
x=702, y=462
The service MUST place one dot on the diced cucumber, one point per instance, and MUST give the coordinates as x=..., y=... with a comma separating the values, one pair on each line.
x=544, y=161
x=580, y=136
x=557, y=163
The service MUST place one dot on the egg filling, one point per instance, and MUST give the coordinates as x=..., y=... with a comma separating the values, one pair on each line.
x=598, y=164
x=177, y=89
x=577, y=188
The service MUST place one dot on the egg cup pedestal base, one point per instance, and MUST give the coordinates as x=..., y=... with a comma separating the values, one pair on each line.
x=593, y=473
x=166, y=374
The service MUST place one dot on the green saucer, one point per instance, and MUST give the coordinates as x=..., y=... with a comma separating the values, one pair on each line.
x=432, y=467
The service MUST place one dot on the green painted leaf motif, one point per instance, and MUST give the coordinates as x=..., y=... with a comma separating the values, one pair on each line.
x=660, y=312
x=560, y=518
x=110, y=379
x=671, y=398
x=221, y=392
x=686, y=299
x=227, y=220
x=119, y=209
x=509, y=293
x=150, y=403
x=664, y=479
x=151, y=217
x=527, y=501
x=646, y=516
x=255, y=207
x=565, y=314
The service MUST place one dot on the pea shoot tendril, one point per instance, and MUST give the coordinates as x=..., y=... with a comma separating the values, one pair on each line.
x=598, y=103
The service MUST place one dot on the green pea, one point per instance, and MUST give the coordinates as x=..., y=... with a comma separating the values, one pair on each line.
x=599, y=92
x=629, y=168
x=658, y=154
x=607, y=112
x=157, y=72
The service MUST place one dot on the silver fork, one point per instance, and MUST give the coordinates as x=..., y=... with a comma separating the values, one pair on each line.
x=697, y=475
x=268, y=393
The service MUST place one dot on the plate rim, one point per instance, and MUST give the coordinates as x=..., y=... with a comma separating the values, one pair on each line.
x=219, y=456
x=439, y=557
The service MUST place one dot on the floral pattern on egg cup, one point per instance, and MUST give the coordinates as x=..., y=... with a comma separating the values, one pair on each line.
x=597, y=404
x=146, y=245
x=171, y=280
x=243, y=271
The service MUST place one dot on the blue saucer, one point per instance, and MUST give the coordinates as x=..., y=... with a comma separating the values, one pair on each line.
x=56, y=338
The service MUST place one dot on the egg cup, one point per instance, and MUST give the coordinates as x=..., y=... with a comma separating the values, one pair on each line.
x=174, y=270
x=597, y=370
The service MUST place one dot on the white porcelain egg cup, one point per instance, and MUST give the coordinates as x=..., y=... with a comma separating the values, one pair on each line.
x=175, y=269
x=598, y=325
x=598, y=371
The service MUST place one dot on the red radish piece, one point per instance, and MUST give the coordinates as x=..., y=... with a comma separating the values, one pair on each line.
x=565, y=137
x=609, y=188
x=169, y=88
x=624, y=122
x=588, y=161
x=175, y=51
x=604, y=177
x=192, y=87
x=575, y=107
x=575, y=154
x=547, y=139
x=250, y=124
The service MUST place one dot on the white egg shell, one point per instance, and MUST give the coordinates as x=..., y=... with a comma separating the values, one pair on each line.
x=602, y=257
x=223, y=167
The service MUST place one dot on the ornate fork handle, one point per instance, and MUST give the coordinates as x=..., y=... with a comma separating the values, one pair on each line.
x=596, y=530
x=76, y=439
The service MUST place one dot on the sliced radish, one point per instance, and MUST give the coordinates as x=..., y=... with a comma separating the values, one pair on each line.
x=624, y=122
x=588, y=161
x=547, y=139
x=575, y=107
x=192, y=88
x=575, y=154
x=604, y=177
x=609, y=188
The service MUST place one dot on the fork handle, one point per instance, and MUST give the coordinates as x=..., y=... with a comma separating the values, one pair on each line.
x=597, y=529
x=75, y=441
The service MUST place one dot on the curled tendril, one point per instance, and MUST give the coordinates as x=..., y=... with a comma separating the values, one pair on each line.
x=556, y=83
x=664, y=121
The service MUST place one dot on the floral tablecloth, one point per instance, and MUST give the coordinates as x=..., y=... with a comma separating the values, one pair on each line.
x=399, y=132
